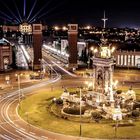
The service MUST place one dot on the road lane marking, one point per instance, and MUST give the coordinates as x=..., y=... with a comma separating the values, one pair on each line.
x=6, y=122
x=28, y=138
x=5, y=137
x=13, y=125
x=22, y=129
x=44, y=137
x=8, y=137
x=2, y=109
x=32, y=133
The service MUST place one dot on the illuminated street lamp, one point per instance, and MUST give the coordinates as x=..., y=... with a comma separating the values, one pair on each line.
x=56, y=28
x=64, y=28
x=113, y=49
x=7, y=79
x=92, y=48
x=92, y=51
x=88, y=27
x=95, y=50
x=89, y=84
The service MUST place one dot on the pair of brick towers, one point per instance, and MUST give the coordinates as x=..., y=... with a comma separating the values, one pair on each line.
x=37, y=45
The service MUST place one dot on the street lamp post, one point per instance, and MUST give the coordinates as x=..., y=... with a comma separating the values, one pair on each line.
x=50, y=70
x=19, y=86
x=117, y=116
x=116, y=128
x=80, y=115
x=88, y=62
x=51, y=73
x=32, y=65
x=93, y=79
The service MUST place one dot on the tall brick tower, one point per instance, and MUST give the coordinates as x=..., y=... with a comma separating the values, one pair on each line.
x=37, y=43
x=72, y=39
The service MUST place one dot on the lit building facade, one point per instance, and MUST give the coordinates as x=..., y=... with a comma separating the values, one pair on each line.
x=127, y=58
x=5, y=55
x=26, y=31
x=125, y=55
x=25, y=28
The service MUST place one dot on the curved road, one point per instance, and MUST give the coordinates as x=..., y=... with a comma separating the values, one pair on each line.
x=12, y=127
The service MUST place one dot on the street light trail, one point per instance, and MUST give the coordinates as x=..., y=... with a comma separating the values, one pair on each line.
x=69, y=73
x=10, y=99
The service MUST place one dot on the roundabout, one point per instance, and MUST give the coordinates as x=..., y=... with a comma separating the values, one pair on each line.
x=43, y=113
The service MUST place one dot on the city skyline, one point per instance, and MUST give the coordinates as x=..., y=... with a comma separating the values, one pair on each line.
x=120, y=13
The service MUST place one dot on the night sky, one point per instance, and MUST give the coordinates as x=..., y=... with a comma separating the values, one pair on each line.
x=121, y=13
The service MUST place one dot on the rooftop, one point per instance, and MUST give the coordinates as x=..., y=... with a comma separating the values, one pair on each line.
x=4, y=41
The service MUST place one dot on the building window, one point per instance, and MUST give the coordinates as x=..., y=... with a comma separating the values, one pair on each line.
x=121, y=60
x=125, y=60
x=129, y=60
x=137, y=60
x=118, y=60
x=132, y=60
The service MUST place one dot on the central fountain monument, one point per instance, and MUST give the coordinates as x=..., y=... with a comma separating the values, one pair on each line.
x=103, y=64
